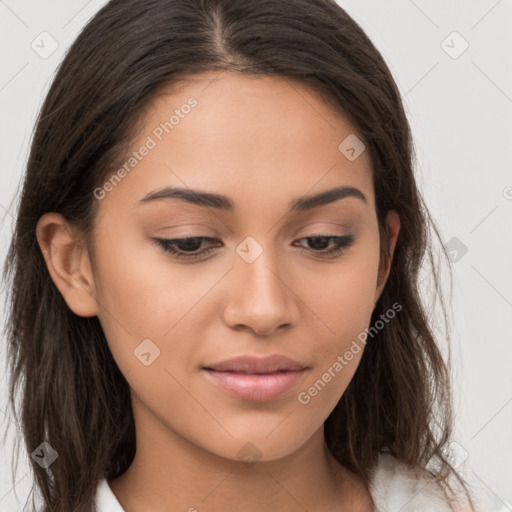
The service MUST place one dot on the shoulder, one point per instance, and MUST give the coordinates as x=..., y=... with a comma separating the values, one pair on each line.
x=105, y=499
x=395, y=487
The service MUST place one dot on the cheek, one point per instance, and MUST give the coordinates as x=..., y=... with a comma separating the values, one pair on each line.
x=146, y=318
x=343, y=302
x=146, y=296
x=138, y=284
x=136, y=302
x=342, y=297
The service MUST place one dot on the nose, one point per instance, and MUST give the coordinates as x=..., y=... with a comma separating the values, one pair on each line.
x=261, y=299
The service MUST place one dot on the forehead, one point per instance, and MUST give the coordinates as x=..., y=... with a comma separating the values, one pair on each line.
x=246, y=137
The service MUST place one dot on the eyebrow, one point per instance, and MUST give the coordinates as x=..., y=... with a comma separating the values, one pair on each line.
x=211, y=200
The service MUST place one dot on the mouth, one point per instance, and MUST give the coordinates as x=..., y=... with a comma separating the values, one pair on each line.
x=255, y=386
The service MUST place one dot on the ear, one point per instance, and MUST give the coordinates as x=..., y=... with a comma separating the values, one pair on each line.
x=68, y=263
x=392, y=230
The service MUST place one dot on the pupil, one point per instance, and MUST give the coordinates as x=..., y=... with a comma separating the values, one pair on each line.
x=190, y=244
x=316, y=239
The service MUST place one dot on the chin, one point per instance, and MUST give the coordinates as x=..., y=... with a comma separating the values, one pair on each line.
x=259, y=445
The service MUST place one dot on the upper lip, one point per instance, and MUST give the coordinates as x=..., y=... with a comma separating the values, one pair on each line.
x=253, y=364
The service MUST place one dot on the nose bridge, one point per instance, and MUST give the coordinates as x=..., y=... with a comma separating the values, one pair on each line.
x=261, y=298
x=258, y=266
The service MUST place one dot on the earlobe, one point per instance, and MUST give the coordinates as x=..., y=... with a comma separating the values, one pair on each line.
x=68, y=263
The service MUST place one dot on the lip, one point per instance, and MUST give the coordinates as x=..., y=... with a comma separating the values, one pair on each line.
x=256, y=378
x=258, y=387
x=253, y=364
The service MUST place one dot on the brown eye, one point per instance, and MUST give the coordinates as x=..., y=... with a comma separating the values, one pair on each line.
x=341, y=243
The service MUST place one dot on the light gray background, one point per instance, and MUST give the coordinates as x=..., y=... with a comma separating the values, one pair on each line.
x=460, y=110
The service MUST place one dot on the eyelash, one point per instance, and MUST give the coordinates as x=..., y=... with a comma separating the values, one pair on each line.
x=168, y=245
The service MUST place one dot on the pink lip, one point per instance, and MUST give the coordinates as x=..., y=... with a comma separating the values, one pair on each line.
x=254, y=364
x=257, y=387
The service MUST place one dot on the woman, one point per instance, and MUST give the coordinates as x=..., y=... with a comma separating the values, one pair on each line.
x=214, y=274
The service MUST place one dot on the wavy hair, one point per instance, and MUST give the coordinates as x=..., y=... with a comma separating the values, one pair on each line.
x=71, y=392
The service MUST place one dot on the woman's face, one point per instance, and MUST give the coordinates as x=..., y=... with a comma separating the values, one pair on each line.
x=261, y=286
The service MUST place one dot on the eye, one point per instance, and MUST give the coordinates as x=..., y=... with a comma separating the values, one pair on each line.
x=341, y=243
x=189, y=247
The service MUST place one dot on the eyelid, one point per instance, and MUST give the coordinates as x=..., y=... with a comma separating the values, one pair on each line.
x=323, y=228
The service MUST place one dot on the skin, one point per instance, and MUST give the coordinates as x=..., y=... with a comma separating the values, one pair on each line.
x=261, y=142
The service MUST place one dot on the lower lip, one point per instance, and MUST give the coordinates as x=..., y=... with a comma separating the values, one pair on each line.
x=255, y=387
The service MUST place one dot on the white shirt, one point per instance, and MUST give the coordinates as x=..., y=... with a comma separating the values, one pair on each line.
x=393, y=486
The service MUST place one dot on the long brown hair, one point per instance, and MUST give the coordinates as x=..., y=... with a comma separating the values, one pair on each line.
x=73, y=395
